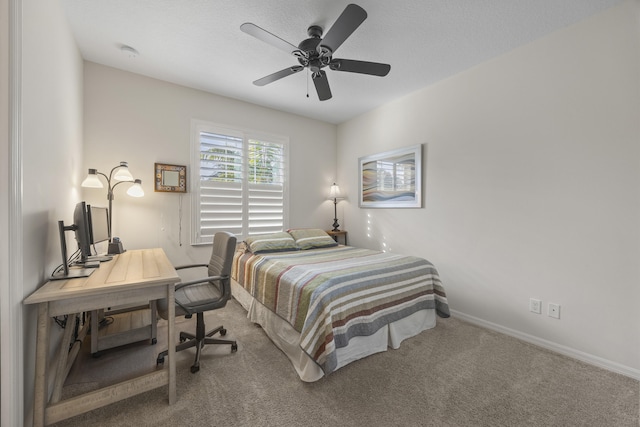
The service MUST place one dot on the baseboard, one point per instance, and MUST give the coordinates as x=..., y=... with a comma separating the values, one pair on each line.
x=549, y=345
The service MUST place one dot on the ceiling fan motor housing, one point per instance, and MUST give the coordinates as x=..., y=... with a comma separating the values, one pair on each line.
x=309, y=47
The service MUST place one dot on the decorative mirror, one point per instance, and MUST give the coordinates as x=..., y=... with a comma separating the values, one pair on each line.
x=170, y=178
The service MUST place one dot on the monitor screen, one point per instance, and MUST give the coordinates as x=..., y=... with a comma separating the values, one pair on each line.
x=82, y=228
x=99, y=220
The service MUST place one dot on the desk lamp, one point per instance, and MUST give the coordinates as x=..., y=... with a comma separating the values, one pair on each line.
x=334, y=193
x=121, y=175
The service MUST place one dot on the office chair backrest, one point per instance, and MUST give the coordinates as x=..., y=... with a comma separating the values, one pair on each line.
x=224, y=245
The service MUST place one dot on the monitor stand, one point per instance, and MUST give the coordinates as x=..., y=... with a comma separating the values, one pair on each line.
x=100, y=258
x=72, y=273
x=68, y=273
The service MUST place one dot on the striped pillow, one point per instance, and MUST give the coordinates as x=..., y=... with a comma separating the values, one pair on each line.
x=309, y=238
x=275, y=242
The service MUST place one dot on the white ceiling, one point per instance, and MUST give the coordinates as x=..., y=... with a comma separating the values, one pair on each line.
x=198, y=43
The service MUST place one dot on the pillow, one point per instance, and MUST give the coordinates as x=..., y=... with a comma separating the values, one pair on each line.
x=309, y=238
x=275, y=242
x=242, y=247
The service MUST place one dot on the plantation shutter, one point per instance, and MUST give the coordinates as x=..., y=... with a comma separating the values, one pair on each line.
x=241, y=182
x=266, y=187
x=221, y=198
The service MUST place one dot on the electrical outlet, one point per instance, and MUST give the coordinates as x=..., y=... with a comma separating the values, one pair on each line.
x=535, y=305
x=554, y=310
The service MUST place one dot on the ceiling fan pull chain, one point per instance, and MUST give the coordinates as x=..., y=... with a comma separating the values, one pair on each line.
x=307, y=82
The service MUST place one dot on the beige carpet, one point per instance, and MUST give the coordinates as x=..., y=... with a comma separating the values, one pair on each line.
x=454, y=375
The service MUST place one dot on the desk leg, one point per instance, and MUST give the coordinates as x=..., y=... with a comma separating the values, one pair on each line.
x=172, y=342
x=42, y=349
x=63, y=356
x=154, y=321
x=93, y=318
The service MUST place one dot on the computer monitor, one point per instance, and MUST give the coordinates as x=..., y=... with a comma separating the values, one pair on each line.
x=98, y=230
x=83, y=230
x=90, y=225
x=99, y=220
x=66, y=272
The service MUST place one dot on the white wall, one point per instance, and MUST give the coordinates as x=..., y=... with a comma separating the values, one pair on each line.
x=51, y=95
x=5, y=295
x=141, y=120
x=532, y=187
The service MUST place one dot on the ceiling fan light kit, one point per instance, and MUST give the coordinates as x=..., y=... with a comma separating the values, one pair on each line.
x=316, y=53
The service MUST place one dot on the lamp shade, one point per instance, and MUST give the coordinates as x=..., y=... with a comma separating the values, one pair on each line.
x=92, y=180
x=136, y=189
x=122, y=173
x=334, y=192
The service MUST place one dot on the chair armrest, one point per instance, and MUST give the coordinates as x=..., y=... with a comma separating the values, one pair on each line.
x=197, y=281
x=182, y=267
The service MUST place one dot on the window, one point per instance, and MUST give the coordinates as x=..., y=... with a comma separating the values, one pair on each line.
x=240, y=182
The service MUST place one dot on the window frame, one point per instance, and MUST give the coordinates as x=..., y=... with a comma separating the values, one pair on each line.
x=199, y=126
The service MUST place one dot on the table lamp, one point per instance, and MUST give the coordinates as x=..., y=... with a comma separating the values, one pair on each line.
x=334, y=193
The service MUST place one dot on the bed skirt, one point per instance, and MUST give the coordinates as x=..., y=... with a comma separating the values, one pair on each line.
x=287, y=339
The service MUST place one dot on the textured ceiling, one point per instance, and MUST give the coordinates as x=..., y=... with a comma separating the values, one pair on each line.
x=198, y=43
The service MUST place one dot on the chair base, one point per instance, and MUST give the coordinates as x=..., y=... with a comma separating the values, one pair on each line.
x=198, y=341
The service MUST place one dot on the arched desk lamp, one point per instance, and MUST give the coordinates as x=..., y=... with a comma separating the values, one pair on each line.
x=121, y=175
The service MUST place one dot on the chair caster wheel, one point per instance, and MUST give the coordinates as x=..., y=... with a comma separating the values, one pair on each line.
x=195, y=369
x=234, y=347
x=154, y=341
x=223, y=332
x=159, y=361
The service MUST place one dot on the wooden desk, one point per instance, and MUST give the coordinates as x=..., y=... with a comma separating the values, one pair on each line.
x=134, y=277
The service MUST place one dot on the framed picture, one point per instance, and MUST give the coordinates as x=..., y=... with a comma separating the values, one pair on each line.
x=170, y=178
x=392, y=179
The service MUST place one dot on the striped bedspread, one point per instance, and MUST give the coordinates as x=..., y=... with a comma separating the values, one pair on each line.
x=331, y=295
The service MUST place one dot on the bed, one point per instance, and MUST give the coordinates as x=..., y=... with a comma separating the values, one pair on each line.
x=326, y=305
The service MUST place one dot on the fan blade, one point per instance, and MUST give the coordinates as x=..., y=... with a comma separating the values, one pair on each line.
x=322, y=85
x=278, y=75
x=267, y=37
x=362, y=67
x=351, y=18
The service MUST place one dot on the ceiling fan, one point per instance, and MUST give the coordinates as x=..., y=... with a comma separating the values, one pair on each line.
x=316, y=53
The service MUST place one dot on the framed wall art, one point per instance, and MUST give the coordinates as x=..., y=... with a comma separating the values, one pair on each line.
x=170, y=178
x=392, y=179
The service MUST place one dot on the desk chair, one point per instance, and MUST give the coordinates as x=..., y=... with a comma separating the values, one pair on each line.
x=198, y=296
